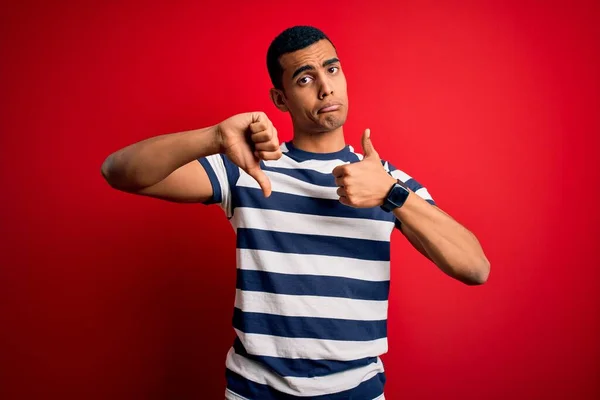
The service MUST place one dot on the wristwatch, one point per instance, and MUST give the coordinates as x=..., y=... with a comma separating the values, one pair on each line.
x=396, y=196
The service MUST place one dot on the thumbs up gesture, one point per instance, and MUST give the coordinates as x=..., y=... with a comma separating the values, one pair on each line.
x=365, y=183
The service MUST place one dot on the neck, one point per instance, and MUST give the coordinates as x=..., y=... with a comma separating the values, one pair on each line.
x=321, y=142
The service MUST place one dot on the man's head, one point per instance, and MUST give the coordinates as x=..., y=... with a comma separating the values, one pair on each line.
x=308, y=79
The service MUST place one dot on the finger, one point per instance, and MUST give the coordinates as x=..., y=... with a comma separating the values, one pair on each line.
x=268, y=155
x=368, y=148
x=345, y=201
x=261, y=125
x=266, y=146
x=263, y=180
x=262, y=136
x=341, y=182
x=341, y=192
x=339, y=171
x=258, y=116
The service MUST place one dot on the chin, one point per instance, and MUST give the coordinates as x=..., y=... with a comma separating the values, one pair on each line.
x=332, y=122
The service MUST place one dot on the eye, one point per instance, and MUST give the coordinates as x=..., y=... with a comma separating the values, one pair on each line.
x=333, y=70
x=304, y=80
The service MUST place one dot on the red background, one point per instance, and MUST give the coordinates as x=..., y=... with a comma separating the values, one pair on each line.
x=493, y=106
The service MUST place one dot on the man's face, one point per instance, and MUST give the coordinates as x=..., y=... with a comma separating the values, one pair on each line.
x=315, y=88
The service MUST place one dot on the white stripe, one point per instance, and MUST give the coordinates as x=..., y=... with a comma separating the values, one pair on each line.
x=322, y=166
x=311, y=306
x=218, y=167
x=282, y=221
x=403, y=176
x=386, y=166
x=286, y=184
x=300, y=386
x=424, y=194
x=231, y=395
x=313, y=349
x=311, y=264
x=360, y=156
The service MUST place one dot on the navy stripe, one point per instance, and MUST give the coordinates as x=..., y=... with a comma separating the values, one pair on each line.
x=301, y=367
x=301, y=155
x=254, y=198
x=214, y=181
x=233, y=171
x=308, y=327
x=413, y=185
x=296, y=243
x=353, y=157
x=369, y=389
x=391, y=167
x=312, y=285
x=305, y=175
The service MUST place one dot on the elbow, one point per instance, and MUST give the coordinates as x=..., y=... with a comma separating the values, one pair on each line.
x=105, y=170
x=471, y=273
x=110, y=172
x=478, y=273
x=121, y=174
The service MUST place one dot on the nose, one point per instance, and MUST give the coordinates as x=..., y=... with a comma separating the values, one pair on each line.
x=326, y=88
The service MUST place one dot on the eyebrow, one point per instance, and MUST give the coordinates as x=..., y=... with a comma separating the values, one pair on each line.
x=310, y=67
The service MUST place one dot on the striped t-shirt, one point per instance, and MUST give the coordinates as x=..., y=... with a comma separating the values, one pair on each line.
x=313, y=279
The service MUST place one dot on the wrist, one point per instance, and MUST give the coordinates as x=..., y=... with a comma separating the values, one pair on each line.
x=387, y=187
x=208, y=139
x=216, y=136
x=396, y=197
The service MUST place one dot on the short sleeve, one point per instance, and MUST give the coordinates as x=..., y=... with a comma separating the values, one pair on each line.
x=410, y=182
x=223, y=176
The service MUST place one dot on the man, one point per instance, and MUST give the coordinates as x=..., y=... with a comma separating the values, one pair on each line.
x=313, y=221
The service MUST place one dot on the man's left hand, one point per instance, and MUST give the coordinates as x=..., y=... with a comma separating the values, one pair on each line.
x=363, y=184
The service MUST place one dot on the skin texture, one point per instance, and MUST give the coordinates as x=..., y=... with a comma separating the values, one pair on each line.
x=246, y=153
x=166, y=166
x=305, y=94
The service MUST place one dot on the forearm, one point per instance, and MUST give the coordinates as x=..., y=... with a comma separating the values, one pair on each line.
x=450, y=245
x=149, y=161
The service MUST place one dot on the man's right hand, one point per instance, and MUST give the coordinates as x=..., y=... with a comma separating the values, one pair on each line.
x=167, y=167
x=246, y=139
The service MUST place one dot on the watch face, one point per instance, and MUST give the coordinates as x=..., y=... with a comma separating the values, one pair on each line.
x=398, y=195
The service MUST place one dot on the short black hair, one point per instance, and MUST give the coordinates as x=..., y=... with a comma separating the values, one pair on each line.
x=288, y=41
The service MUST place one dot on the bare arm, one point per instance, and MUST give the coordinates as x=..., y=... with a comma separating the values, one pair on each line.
x=166, y=166
x=414, y=241
x=436, y=235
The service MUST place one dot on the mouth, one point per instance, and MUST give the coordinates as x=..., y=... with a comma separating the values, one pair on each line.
x=329, y=108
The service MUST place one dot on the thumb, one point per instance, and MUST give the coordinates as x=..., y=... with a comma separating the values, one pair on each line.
x=367, y=145
x=263, y=180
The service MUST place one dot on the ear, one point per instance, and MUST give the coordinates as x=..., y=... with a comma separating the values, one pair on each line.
x=278, y=98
